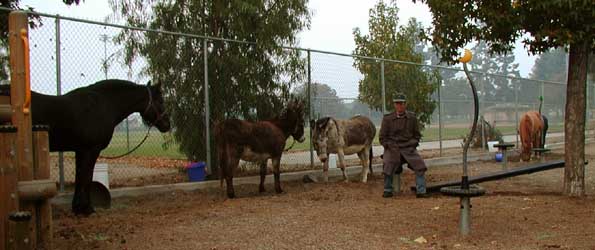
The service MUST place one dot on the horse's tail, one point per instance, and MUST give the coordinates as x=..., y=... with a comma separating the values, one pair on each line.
x=373, y=128
x=221, y=150
x=545, y=127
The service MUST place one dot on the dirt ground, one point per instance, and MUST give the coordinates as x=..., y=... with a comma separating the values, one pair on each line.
x=524, y=212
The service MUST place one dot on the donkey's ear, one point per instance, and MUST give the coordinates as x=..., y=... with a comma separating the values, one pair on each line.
x=149, y=83
x=312, y=124
x=321, y=123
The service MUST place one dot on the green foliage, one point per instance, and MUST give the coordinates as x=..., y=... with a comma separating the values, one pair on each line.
x=325, y=101
x=548, y=24
x=492, y=88
x=387, y=40
x=246, y=80
x=551, y=66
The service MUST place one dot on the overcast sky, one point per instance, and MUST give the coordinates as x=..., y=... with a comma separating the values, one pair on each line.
x=331, y=27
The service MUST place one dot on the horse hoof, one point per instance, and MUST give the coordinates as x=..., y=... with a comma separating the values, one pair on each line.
x=83, y=211
x=279, y=191
x=261, y=190
x=231, y=196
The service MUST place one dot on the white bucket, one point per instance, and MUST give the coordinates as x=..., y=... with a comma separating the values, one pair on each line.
x=101, y=175
x=332, y=161
x=491, y=147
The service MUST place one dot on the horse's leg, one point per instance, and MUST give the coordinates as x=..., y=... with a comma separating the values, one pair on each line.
x=85, y=163
x=277, y=173
x=231, y=164
x=325, y=168
x=341, y=156
x=263, y=174
x=363, y=158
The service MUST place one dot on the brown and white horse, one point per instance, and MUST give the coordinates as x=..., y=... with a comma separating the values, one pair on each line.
x=532, y=128
x=257, y=142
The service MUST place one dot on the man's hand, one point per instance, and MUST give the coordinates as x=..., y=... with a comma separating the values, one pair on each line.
x=410, y=143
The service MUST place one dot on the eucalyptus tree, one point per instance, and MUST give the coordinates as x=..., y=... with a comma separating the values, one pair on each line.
x=34, y=22
x=250, y=79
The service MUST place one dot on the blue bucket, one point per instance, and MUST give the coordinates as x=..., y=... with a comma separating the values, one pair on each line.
x=196, y=171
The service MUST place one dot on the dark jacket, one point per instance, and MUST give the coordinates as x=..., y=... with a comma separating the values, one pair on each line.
x=400, y=136
x=401, y=131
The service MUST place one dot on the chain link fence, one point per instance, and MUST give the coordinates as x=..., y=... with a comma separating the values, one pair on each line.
x=68, y=53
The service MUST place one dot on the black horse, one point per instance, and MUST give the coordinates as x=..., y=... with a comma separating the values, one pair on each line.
x=84, y=119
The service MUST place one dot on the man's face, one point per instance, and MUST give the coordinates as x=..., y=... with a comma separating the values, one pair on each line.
x=400, y=107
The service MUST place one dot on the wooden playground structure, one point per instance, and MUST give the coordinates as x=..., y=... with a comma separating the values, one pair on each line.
x=25, y=187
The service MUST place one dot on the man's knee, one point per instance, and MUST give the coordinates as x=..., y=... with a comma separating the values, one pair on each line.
x=421, y=172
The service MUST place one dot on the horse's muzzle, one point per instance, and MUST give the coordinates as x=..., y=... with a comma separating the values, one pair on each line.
x=301, y=139
x=163, y=125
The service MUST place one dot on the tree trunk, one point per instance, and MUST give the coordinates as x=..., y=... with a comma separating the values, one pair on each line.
x=574, y=125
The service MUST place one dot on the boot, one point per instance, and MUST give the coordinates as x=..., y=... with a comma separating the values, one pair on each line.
x=420, y=184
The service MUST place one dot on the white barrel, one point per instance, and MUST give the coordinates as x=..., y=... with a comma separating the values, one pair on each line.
x=332, y=161
x=101, y=175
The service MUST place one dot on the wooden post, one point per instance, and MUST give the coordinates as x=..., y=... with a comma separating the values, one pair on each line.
x=41, y=171
x=8, y=181
x=19, y=92
x=19, y=226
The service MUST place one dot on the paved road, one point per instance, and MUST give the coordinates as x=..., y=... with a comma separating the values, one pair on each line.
x=304, y=157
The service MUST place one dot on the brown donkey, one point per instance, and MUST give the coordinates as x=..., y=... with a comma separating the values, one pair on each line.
x=257, y=142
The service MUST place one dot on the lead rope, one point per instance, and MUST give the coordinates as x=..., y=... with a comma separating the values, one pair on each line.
x=293, y=143
x=132, y=150
x=146, y=135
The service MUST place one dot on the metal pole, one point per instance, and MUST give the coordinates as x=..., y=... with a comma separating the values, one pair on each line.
x=481, y=107
x=465, y=215
x=516, y=111
x=383, y=87
x=207, y=108
x=310, y=111
x=440, y=117
x=59, y=92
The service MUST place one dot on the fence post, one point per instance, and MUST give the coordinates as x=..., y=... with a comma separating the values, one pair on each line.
x=310, y=111
x=440, y=116
x=383, y=87
x=59, y=92
x=516, y=110
x=481, y=111
x=207, y=107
